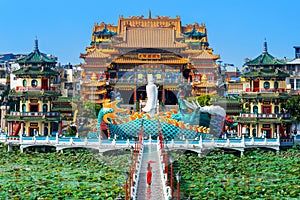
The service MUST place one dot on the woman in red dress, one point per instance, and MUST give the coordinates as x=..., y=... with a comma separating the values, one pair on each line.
x=149, y=175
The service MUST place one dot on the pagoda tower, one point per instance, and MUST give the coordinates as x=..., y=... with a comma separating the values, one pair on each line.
x=265, y=92
x=34, y=94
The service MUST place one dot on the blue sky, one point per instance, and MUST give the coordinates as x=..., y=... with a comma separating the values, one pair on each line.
x=236, y=28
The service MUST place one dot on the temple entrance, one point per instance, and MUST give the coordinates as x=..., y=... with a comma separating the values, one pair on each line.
x=267, y=132
x=130, y=71
x=170, y=97
x=256, y=86
x=34, y=107
x=141, y=93
x=33, y=131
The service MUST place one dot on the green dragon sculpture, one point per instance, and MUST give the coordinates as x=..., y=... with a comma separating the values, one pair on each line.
x=186, y=123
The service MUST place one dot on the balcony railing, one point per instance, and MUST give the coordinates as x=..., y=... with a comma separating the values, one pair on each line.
x=34, y=114
x=269, y=115
x=257, y=90
x=29, y=88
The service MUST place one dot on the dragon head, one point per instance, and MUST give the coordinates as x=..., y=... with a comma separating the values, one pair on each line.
x=110, y=109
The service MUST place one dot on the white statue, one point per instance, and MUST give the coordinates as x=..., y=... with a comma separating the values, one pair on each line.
x=152, y=92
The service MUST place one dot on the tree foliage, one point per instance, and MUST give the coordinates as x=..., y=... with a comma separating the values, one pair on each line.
x=203, y=100
x=293, y=107
x=89, y=109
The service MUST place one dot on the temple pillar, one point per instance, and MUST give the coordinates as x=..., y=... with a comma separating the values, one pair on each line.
x=60, y=127
x=43, y=127
x=22, y=128
x=239, y=130
x=11, y=128
x=256, y=128
x=8, y=128
x=134, y=95
x=163, y=95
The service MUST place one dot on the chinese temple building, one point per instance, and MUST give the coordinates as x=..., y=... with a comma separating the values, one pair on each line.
x=120, y=57
x=34, y=93
x=265, y=92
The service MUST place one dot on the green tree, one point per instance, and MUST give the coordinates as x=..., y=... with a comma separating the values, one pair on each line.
x=203, y=99
x=89, y=109
x=293, y=107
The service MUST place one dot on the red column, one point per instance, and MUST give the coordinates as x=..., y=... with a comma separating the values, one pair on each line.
x=171, y=178
x=134, y=94
x=163, y=95
x=178, y=189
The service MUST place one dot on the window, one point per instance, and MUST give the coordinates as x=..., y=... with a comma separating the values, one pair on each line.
x=255, y=109
x=45, y=108
x=24, y=83
x=254, y=132
x=266, y=109
x=297, y=84
x=45, y=131
x=276, y=109
x=23, y=107
x=276, y=85
x=292, y=83
x=266, y=85
x=34, y=83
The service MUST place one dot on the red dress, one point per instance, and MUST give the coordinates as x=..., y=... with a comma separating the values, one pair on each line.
x=149, y=176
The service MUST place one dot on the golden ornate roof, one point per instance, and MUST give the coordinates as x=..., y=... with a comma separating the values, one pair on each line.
x=95, y=53
x=204, y=54
x=126, y=60
x=150, y=38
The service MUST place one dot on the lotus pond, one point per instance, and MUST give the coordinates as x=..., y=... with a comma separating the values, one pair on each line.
x=85, y=175
x=258, y=175
x=69, y=175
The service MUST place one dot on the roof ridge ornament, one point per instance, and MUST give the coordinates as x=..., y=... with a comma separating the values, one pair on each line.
x=36, y=44
x=265, y=47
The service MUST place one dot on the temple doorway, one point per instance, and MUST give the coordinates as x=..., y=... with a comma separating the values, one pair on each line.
x=170, y=97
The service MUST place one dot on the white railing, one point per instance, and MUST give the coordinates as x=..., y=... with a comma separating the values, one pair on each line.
x=136, y=175
x=72, y=141
x=106, y=144
x=227, y=143
x=270, y=115
x=164, y=176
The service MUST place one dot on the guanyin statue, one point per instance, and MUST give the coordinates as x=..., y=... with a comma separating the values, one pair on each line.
x=152, y=91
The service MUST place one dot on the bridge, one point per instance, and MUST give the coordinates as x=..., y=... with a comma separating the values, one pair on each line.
x=145, y=152
x=196, y=146
x=61, y=144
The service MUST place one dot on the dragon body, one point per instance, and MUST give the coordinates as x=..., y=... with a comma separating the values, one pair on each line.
x=174, y=125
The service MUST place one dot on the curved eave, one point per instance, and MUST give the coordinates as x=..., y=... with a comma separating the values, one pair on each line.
x=265, y=59
x=35, y=57
x=30, y=118
x=37, y=72
x=34, y=94
x=140, y=61
x=265, y=95
x=62, y=109
x=272, y=74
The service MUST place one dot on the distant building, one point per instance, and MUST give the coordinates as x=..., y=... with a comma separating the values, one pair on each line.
x=234, y=85
x=293, y=68
x=70, y=80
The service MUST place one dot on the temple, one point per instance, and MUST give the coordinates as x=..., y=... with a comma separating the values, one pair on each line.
x=120, y=56
x=263, y=100
x=38, y=110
